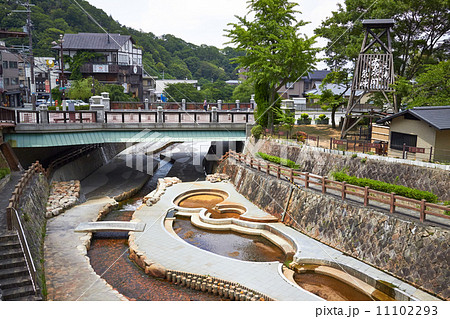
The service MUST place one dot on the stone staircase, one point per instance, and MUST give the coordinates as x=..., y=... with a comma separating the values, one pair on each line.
x=15, y=280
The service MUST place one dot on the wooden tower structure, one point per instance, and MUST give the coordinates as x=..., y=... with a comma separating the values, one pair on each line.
x=374, y=70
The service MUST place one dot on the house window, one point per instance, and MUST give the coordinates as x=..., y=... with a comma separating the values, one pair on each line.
x=14, y=81
x=6, y=80
x=12, y=64
x=290, y=85
x=5, y=64
x=398, y=139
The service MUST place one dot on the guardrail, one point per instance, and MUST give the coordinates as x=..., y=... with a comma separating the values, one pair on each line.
x=13, y=218
x=423, y=207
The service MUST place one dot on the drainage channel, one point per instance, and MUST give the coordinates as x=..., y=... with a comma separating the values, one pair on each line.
x=108, y=255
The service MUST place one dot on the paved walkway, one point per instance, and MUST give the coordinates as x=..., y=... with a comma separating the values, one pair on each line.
x=172, y=252
x=68, y=273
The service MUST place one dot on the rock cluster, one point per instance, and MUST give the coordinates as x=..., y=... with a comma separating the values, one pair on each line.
x=163, y=183
x=217, y=177
x=63, y=195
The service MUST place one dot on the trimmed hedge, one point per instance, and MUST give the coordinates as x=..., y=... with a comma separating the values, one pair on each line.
x=386, y=187
x=277, y=160
x=4, y=172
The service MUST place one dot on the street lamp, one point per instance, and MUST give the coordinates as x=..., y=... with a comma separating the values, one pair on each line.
x=62, y=81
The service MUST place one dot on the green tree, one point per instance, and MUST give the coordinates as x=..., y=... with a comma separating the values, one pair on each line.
x=82, y=89
x=275, y=51
x=287, y=120
x=432, y=88
x=178, y=91
x=243, y=92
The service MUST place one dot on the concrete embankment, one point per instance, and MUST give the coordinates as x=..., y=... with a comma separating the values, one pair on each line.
x=409, y=250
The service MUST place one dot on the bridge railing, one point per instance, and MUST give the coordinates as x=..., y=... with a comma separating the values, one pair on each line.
x=135, y=116
x=7, y=115
x=58, y=117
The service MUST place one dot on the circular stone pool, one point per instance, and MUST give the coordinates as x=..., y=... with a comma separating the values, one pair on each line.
x=228, y=244
x=208, y=201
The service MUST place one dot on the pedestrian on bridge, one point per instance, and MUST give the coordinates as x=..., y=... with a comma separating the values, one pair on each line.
x=205, y=105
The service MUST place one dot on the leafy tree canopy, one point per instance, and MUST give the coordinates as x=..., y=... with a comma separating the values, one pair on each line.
x=275, y=51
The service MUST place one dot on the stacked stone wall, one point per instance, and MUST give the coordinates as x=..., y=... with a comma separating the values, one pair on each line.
x=410, y=250
x=32, y=215
x=433, y=180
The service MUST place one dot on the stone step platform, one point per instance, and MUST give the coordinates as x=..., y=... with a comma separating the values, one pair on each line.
x=110, y=226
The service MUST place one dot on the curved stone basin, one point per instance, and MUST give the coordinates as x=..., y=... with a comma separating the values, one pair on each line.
x=228, y=243
x=214, y=201
x=333, y=284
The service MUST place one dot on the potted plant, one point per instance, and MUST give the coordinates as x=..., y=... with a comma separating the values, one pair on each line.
x=322, y=119
x=304, y=119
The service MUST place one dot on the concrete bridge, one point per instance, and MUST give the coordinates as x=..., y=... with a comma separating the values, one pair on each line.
x=44, y=128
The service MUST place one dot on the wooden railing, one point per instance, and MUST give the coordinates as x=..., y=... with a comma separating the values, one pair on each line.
x=368, y=195
x=13, y=218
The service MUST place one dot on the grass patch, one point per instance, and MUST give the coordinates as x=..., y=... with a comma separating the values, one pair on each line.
x=277, y=160
x=4, y=172
x=386, y=187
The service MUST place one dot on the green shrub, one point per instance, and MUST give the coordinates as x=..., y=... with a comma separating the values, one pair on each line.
x=4, y=172
x=323, y=117
x=305, y=116
x=354, y=156
x=386, y=187
x=278, y=160
x=257, y=130
x=363, y=160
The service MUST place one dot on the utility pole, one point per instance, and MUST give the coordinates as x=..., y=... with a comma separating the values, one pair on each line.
x=29, y=26
x=62, y=80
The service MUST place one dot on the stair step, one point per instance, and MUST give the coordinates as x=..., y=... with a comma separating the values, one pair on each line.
x=8, y=237
x=11, y=253
x=12, y=262
x=12, y=282
x=9, y=244
x=13, y=272
x=17, y=292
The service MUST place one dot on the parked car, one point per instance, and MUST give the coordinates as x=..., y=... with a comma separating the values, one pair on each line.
x=40, y=101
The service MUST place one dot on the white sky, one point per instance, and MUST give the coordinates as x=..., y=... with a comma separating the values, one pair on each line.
x=199, y=21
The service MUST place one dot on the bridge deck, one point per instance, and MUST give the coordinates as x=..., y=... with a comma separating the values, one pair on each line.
x=110, y=226
x=28, y=138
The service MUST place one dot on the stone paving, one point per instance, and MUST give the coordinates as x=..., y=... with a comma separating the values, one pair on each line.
x=173, y=253
x=68, y=273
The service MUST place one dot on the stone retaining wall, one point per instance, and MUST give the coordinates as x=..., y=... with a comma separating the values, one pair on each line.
x=409, y=250
x=32, y=215
x=322, y=163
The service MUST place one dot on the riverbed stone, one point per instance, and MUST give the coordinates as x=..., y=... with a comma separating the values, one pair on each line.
x=156, y=270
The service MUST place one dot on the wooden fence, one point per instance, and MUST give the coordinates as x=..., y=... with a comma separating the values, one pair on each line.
x=423, y=207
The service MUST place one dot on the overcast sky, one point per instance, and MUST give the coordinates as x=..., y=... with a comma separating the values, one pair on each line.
x=199, y=21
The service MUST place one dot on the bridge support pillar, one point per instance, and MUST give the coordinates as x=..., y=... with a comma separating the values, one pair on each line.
x=160, y=115
x=237, y=104
x=219, y=104
x=146, y=104
x=106, y=101
x=252, y=101
x=183, y=104
x=214, y=117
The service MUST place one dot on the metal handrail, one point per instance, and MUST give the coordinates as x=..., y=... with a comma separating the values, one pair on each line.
x=26, y=250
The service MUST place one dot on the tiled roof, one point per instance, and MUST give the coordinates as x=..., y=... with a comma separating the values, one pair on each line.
x=436, y=116
x=94, y=41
